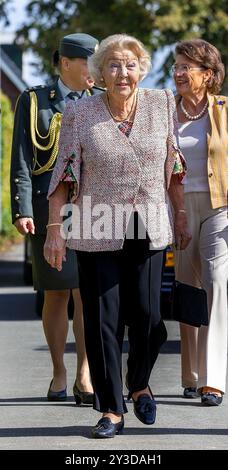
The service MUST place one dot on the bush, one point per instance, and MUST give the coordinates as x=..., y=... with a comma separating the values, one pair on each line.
x=7, y=229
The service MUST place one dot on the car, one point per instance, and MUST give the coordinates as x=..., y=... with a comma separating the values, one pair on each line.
x=168, y=277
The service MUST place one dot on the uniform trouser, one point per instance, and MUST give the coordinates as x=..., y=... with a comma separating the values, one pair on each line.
x=204, y=349
x=119, y=288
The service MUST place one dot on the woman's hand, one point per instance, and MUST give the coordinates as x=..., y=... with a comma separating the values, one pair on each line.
x=55, y=248
x=182, y=235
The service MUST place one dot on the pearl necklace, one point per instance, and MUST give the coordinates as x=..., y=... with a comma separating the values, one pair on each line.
x=130, y=112
x=189, y=116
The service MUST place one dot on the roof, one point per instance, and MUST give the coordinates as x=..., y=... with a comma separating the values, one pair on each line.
x=12, y=71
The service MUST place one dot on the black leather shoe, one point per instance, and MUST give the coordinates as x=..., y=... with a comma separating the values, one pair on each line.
x=191, y=392
x=211, y=399
x=84, y=398
x=105, y=428
x=145, y=409
x=56, y=396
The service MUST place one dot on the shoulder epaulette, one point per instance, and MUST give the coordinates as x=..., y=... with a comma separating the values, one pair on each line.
x=34, y=88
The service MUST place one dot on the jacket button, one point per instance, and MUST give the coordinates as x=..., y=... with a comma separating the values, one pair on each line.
x=38, y=191
x=17, y=198
x=210, y=175
x=17, y=215
x=16, y=180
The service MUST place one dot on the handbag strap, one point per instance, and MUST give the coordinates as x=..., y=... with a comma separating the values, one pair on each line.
x=178, y=253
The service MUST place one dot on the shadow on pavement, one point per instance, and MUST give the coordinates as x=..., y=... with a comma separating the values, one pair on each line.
x=85, y=431
x=42, y=401
x=38, y=401
x=17, y=301
x=170, y=347
x=11, y=273
x=16, y=307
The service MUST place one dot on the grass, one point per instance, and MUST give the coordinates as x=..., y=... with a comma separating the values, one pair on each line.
x=7, y=241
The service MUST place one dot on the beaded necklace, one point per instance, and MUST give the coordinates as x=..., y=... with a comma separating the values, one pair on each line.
x=189, y=116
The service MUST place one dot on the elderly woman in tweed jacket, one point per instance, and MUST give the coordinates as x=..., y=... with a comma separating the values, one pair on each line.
x=118, y=161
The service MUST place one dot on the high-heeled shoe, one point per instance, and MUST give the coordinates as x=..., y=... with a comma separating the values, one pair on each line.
x=56, y=396
x=106, y=428
x=85, y=398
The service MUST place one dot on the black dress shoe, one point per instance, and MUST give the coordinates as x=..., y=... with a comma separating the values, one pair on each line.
x=56, y=396
x=211, y=399
x=105, y=428
x=191, y=392
x=145, y=409
x=85, y=398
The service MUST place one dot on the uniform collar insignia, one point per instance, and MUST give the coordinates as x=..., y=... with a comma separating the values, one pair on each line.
x=52, y=94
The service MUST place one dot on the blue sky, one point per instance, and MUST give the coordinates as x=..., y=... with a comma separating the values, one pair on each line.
x=17, y=16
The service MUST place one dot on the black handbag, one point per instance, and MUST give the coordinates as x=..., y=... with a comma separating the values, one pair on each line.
x=189, y=304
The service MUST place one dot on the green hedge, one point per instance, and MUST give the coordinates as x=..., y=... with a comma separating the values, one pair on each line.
x=8, y=230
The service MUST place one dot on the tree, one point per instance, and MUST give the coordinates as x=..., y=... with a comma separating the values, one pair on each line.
x=4, y=11
x=206, y=19
x=47, y=21
x=157, y=23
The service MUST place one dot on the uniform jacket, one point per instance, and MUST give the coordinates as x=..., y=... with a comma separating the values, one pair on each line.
x=113, y=169
x=28, y=192
x=217, y=140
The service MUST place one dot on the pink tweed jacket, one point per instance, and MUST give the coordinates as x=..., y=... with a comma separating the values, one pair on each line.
x=115, y=174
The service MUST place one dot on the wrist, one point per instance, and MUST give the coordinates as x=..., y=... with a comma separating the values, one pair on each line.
x=54, y=224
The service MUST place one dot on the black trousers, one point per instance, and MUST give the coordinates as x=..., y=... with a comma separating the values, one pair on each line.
x=118, y=288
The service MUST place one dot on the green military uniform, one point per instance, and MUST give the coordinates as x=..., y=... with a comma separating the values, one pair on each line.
x=34, y=151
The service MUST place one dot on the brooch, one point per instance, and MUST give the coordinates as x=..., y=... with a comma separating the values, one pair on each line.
x=52, y=94
x=220, y=102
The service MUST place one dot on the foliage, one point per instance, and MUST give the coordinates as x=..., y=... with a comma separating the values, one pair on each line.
x=4, y=11
x=157, y=23
x=6, y=139
x=206, y=19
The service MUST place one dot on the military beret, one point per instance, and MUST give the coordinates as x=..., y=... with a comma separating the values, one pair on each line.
x=78, y=45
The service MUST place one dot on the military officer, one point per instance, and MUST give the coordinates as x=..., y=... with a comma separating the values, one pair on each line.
x=34, y=150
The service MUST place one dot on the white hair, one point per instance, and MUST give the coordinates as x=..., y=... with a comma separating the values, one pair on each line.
x=118, y=41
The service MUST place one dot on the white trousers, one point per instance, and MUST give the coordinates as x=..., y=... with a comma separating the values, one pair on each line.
x=204, y=349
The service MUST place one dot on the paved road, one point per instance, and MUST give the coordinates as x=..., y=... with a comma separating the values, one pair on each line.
x=28, y=421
